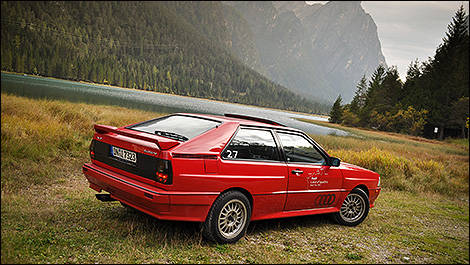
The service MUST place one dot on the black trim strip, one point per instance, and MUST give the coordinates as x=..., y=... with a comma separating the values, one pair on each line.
x=145, y=165
x=302, y=191
x=127, y=182
x=195, y=156
x=154, y=192
x=252, y=118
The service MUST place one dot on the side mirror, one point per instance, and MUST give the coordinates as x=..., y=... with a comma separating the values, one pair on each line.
x=334, y=162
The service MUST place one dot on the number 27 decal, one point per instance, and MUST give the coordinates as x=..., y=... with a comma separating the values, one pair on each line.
x=232, y=154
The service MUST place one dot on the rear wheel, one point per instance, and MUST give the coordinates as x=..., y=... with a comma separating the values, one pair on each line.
x=228, y=218
x=354, y=209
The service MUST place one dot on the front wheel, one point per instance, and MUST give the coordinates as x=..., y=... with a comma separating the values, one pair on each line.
x=354, y=209
x=228, y=218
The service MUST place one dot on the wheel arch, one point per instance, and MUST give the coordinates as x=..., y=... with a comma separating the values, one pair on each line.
x=363, y=188
x=244, y=192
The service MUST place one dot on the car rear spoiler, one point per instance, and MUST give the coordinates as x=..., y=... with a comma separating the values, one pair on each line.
x=251, y=118
x=163, y=143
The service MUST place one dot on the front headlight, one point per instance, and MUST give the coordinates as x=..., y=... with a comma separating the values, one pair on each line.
x=378, y=184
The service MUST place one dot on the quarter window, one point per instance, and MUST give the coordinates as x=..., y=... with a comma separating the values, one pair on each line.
x=298, y=149
x=252, y=144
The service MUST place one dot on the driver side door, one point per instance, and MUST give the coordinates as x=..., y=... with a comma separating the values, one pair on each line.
x=312, y=183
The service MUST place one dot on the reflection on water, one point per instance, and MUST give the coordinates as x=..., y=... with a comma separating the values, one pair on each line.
x=39, y=87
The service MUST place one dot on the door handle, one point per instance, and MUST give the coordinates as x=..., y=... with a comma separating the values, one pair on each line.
x=297, y=172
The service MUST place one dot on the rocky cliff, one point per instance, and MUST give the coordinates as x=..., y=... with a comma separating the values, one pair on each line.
x=317, y=50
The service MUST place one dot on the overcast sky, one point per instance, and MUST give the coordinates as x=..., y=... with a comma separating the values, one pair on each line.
x=410, y=29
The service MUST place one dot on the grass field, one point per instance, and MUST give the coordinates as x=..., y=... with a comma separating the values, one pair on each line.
x=49, y=215
x=407, y=163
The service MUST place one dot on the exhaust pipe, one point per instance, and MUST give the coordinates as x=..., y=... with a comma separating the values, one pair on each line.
x=105, y=197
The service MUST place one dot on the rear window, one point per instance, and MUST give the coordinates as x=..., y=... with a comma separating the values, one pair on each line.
x=176, y=127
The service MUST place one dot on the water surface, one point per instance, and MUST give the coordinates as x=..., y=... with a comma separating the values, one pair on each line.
x=40, y=87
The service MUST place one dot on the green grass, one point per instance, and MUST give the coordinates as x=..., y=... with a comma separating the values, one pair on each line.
x=406, y=163
x=49, y=215
x=65, y=223
x=458, y=141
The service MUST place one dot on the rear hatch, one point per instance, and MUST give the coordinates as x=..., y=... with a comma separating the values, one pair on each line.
x=140, y=151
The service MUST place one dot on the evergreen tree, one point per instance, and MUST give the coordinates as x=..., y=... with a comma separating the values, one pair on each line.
x=336, y=113
x=389, y=92
x=373, y=95
x=449, y=72
x=162, y=46
x=411, y=91
x=460, y=111
x=359, y=99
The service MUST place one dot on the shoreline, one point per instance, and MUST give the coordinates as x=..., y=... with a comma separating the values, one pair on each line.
x=162, y=93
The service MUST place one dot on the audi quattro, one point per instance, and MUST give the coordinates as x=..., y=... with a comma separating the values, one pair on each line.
x=225, y=171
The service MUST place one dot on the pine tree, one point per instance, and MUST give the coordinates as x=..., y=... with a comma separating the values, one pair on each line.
x=100, y=41
x=372, y=95
x=359, y=99
x=450, y=71
x=336, y=113
x=390, y=92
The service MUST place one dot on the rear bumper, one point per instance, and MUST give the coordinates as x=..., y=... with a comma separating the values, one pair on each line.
x=165, y=205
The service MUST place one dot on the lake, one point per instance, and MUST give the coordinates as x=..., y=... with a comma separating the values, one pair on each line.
x=41, y=87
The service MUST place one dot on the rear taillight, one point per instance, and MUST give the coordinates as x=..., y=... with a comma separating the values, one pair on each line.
x=92, y=149
x=164, y=173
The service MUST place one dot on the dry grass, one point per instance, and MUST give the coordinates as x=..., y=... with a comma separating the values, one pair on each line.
x=49, y=215
x=39, y=137
x=405, y=162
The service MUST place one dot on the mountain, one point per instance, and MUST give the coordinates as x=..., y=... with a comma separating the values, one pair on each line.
x=317, y=50
x=188, y=48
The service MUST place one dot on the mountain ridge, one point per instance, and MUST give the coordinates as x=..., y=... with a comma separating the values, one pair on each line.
x=171, y=47
x=331, y=45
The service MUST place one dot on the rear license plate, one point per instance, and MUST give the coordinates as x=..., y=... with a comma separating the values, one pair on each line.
x=123, y=154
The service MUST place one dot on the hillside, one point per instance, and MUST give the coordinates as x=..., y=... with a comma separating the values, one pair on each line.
x=172, y=47
x=317, y=50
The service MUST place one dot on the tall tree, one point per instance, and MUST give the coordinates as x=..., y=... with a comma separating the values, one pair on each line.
x=336, y=113
x=450, y=71
x=359, y=99
x=389, y=92
x=373, y=94
x=123, y=43
x=460, y=111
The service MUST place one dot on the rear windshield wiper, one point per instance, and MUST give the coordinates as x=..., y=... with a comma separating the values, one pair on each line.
x=172, y=135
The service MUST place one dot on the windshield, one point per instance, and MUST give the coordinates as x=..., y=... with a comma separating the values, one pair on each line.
x=176, y=127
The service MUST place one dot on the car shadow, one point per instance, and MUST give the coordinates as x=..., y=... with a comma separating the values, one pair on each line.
x=290, y=223
x=175, y=232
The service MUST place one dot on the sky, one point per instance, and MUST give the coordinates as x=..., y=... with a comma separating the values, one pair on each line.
x=410, y=30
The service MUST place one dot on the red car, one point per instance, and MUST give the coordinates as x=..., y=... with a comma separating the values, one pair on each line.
x=225, y=171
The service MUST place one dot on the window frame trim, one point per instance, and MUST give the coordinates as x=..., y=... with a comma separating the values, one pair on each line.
x=278, y=148
x=311, y=141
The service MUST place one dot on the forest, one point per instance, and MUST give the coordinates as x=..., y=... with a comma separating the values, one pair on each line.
x=156, y=46
x=434, y=95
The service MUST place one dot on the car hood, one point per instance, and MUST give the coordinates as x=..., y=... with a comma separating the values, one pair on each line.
x=349, y=166
x=346, y=167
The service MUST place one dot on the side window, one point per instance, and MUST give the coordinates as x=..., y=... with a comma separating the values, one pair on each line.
x=252, y=144
x=298, y=149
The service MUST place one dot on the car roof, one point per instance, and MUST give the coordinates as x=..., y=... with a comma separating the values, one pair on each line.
x=243, y=120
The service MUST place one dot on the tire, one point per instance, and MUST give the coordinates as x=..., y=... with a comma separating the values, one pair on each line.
x=354, y=209
x=228, y=218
